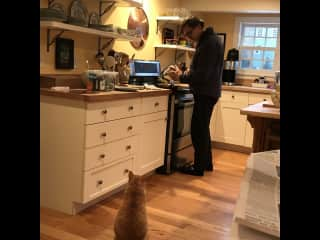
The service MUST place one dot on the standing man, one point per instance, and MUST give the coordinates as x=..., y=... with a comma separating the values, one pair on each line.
x=204, y=78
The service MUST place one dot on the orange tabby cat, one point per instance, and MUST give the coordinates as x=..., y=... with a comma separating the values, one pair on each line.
x=131, y=220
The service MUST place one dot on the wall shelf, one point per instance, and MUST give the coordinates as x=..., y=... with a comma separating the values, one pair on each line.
x=125, y=3
x=169, y=19
x=53, y=25
x=174, y=47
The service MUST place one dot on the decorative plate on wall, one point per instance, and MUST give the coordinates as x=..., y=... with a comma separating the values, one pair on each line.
x=59, y=7
x=78, y=13
x=138, y=21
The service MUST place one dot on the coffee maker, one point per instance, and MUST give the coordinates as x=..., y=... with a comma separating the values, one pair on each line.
x=230, y=67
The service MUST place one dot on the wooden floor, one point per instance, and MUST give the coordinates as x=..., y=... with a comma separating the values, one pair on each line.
x=179, y=206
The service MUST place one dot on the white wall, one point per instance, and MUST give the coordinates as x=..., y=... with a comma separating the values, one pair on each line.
x=235, y=6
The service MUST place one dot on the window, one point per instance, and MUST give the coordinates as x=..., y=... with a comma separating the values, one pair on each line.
x=258, y=41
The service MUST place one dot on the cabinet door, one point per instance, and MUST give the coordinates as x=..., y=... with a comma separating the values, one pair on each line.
x=230, y=125
x=249, y=135
x=213, y=121
x=152, y=142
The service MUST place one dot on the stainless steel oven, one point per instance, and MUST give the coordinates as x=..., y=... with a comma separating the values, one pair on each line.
x=178, y=136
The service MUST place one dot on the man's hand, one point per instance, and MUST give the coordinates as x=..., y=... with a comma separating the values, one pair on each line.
x=174, y=72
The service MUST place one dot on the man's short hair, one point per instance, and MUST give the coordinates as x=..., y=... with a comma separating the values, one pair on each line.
x=193, y=22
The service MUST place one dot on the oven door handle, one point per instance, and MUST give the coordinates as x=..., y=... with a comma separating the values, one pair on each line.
x=186, y=104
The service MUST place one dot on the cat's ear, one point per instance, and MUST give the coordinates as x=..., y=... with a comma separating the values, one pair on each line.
x=130, y=175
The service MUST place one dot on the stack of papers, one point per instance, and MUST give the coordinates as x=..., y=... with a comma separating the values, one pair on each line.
x=257, y=213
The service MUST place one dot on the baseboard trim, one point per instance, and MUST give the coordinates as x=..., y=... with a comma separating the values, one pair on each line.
x=231, y=147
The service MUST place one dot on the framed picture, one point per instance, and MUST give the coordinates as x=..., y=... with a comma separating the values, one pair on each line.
x=64, y=55
x=222, y=36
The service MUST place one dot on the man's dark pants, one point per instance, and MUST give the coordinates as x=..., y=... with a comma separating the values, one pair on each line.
x=200, y=132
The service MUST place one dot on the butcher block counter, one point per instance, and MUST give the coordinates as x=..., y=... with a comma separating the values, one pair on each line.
x=242, y=88
x=262, y=109
x=77, y=94
x=89, y=141
x=265, y=120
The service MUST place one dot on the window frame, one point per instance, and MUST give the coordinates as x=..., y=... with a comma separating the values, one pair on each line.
x=237, y=39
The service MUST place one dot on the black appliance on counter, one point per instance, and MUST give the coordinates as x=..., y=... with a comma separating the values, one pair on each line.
x=144, y=71
x=230, y=67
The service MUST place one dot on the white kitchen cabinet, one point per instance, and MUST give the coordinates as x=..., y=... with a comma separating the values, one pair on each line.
x=230, y=125
x=87, y=148
x=253, y=99
x=227, y=124
x=152, y=141
x=153, y=134
x=213, y=120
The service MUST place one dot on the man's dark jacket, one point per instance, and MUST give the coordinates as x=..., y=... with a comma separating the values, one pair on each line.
x=207, y=66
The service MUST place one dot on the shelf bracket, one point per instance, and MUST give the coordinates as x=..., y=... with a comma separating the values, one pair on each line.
x=50, y=42
x=107, y=9
x=177, y=55
x=50, y=2
x=157, y=27
x=159, y=54
x=107, y=44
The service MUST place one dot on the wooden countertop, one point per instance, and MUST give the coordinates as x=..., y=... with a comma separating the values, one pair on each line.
x=258, y=110
x=247, y=89
x=103, y=96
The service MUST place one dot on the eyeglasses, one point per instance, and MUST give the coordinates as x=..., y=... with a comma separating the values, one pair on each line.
x=188, y=34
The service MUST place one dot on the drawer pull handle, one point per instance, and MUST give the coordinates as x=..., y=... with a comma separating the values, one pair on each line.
x=130, y=108
x=130, y=128
x=128, y=147
x=99, y=182
x=264, y=99
x=103, y=134
x=102, y=156
x=104, y=112
x=156, y=104
x=232, y=96
x=126, y=171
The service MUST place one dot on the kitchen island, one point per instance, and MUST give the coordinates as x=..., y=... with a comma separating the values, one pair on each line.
x=89, y=141
x=265, y=119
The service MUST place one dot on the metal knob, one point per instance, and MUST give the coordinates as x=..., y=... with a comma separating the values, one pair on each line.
x=128, y=147
x=102, y=156
x=264, y=99
x=232, y=96
x=104, y=111
x=130, y=128
x=130, y=108
x=99, y=182
x=103, y=134
x=156, y=104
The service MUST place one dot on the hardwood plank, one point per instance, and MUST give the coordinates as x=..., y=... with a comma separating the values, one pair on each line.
x=178, y=206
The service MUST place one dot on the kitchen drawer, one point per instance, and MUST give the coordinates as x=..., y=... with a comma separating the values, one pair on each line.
x=111, y=110
x=154, y=104
x=107, y=153
x=102, y=180
x=101, y=133
x=256, y=98
x=231, y=96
